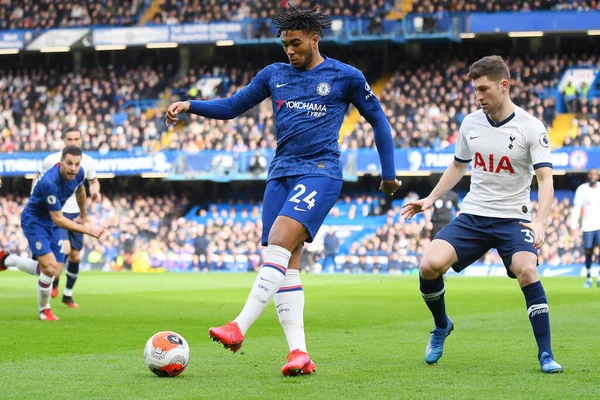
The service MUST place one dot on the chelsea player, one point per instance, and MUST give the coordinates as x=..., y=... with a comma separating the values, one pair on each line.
x=310, y=97
x=42, y=219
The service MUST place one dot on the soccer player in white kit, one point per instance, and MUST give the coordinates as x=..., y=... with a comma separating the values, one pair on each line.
x=587, y=198
x=506, y=145
x=72, y=241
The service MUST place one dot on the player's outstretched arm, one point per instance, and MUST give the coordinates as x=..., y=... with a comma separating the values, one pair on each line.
x=451, y=177
x=228, y=108
x=62, y=222
x=545, y=197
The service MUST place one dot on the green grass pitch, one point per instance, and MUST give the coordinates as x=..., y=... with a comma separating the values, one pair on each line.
x=367, y=335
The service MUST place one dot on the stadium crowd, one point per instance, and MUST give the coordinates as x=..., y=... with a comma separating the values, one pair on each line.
x=45, y=14
x=145, y=233
x=425, y=105
x=435, y=6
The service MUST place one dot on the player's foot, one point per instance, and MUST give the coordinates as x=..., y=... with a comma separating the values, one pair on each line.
x=587, y=284
x=54, y=293
x=69, y=302
x=230, y=336
x=3, y=255
x=299, y=363
x=48, y=315
x=549, y=366
x=435, y=347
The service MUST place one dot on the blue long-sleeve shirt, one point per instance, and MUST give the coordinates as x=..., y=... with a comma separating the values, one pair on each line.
x=309, y=107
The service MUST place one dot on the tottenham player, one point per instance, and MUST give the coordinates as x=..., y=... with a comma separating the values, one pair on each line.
x=507, y=145
x=72, y=241
x=310, y=96
x=42, y=218
x=587, y=197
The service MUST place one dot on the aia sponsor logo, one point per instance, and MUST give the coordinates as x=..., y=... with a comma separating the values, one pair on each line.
x=493, y=164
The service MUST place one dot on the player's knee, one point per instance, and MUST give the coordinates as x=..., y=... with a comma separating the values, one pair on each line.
x=430, y=268
x=281, y=241
x=527, y=276
x=50, y=269
x=74, y=256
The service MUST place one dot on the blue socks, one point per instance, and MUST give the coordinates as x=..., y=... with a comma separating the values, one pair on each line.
x=537, y=309
x=433, y=294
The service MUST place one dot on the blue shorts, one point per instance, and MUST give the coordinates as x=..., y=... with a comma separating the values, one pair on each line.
x=591, y=239
x=75, y=238
x=307, y=199
x=43, y=237
x=472, y=236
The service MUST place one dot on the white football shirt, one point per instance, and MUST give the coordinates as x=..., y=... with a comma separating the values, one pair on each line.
x=504, y=157
x=588, y=199
x=89, y=167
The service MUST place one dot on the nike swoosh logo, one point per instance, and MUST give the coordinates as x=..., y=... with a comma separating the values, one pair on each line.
x=263, y=279
x=473, y=137
x=282, y=304
x=281, y=85
x=299, y=209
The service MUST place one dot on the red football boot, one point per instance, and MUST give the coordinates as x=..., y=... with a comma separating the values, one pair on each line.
x=48, y=315
x=54, y=293
x=230, y=336
x=69, y=302
x=299, y=363
x=3, y=255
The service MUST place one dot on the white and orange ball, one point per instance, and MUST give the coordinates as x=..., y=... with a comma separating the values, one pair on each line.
x=167, y=354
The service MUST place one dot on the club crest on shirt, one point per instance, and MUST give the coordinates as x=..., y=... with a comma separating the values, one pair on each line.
x=323, y=88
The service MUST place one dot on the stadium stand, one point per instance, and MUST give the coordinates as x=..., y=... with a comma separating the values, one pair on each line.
x=167, y=231
x=432, y=6
x=18, y=14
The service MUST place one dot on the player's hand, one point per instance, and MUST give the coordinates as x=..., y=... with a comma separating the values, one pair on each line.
x=96, y=197
x=179, y=107
x=389, y=187
x=539, y=233
x=95, y=232
x=412, y=208
x=81, y=220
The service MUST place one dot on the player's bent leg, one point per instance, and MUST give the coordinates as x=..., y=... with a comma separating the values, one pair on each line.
x=437, y=259
x=49, y=267
x=523, y=266
x=66, y=247
x=285, y=235
x=24, y=264
x=72, y=273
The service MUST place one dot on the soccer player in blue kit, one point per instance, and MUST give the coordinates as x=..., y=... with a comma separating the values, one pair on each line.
x=310, y=97
x=42, y=219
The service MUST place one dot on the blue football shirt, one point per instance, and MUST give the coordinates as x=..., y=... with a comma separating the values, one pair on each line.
x=50, y=193
x=309, y=108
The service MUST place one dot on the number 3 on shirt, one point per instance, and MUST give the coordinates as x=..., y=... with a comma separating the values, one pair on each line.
x=528, y=235
x=301, y=189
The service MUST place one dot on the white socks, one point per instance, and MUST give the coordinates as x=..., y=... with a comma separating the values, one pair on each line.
x=43, y=291
x=267, y=283
x=289, y=304
x=24, y=264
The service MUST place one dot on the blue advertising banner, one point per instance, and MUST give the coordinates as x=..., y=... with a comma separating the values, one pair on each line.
x=13, y=39
x=227, y=166
x=481, y=22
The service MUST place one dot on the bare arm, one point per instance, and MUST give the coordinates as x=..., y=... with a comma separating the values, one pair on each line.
x=545, y=194
x=95, y=190
x=81, y=200
x=62, y=222
x=451, y=177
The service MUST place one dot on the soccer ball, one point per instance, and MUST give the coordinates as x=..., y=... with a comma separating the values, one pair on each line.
x=167, y=353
